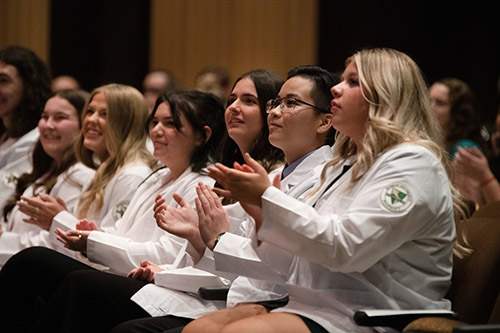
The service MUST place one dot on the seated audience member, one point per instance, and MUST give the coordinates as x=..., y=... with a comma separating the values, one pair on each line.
x=495, y=143
x=186, y=128
x=307, y=85
x=215, y=80
x=112, y=141
x=360, y=243
x=476, y=181
x=64, y=82
x=56, y=171
x=24, y=88
x=250, y=95
x=456, y=110
x=155, y=84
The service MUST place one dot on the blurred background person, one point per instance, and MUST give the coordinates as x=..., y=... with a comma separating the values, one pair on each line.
x=456, y=109
x=155, y=84
x=214, y=79
x=455, y=106
x=63, y=82
x=24, y=88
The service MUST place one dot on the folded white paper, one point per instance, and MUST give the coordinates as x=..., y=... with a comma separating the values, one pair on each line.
x=189, y=279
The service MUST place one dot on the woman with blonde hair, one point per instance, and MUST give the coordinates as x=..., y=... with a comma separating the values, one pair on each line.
x=379, y=231
x=113, y=142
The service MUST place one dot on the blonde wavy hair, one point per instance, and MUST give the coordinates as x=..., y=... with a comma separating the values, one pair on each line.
x=126, y=116
x=399, y=112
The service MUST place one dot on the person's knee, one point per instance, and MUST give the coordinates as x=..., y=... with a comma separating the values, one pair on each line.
x=29, y=256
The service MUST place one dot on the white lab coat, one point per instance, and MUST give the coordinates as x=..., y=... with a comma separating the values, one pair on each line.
x=117, y=196
x=137, y=237
x=159, y=301
x=366, y=247
x=19, y=235
x=15, y=159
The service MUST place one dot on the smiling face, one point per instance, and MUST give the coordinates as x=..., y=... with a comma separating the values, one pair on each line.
x=58, y=127
x=11, y=90
x=172, y=147
x=349, y=107
x=94, y=126
x=243, y=117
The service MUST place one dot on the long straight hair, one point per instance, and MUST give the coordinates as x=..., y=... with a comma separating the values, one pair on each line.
x=127, y=113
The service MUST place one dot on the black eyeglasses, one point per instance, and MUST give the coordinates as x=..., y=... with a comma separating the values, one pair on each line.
x=289, y=104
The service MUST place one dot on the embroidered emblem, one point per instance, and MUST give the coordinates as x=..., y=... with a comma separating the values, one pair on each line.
x=396, y=197
x=10, y=179
x=120, y=209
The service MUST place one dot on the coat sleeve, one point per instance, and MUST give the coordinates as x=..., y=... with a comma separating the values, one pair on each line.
x=368, y=226
x=118, y=195
x=123, y=253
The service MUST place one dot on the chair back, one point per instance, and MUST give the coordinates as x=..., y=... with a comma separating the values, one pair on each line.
x=475, y=284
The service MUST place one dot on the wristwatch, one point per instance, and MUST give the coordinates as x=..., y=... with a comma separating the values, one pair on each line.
x=218, y=238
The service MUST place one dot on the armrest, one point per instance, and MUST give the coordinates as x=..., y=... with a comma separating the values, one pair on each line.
x=477, y=328
x=213, y=293
x=397, y=319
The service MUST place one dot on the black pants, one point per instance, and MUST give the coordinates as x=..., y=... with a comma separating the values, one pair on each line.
x=27, y=282
x=43, y=290
x=94, y=301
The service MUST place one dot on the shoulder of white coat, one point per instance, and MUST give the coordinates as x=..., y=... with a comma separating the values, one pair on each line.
x=190, y=178
x=80, y=172
x=29, y=138
x=156, y=176
x=77, y=175
x=136, y=168
x=132, y=173
x=416, y=153
x=416, y=171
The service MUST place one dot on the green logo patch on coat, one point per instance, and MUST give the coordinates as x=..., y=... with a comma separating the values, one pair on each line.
x=120, y=209
x=396, y=197
x=10, y=179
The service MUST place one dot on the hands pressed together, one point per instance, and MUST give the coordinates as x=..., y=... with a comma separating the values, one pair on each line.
x=244, y=183
x=76, y=240
x=146, y=272
x=471, y=171
x=41, y=209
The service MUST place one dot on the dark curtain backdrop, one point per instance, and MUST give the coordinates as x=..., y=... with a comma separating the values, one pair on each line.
x=108, y=41
x=460, y=39
x=100, y=41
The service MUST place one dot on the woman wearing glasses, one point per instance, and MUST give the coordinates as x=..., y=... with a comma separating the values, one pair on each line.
x=180, y=307
x=287, y=113
x=379, y=235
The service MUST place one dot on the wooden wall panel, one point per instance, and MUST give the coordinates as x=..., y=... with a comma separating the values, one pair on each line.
x=26, y=23
x=187, y=35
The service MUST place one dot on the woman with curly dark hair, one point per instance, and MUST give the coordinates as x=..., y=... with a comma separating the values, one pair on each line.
x=455, y=105
x=24, y=88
